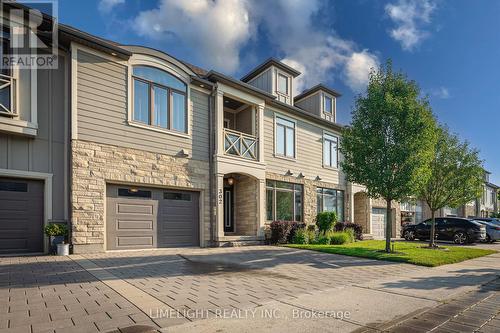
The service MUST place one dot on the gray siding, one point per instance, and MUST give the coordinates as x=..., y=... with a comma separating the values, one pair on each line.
x=311, y=104
x=263, y=81
x=309, y=151
x=46, y=152
x=102, y=112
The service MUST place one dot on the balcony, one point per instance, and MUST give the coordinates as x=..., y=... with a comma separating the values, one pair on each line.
x=240, y=144
x=7, y=88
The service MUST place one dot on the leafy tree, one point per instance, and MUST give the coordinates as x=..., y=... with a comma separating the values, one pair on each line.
x=390, y=143
x=456, y=176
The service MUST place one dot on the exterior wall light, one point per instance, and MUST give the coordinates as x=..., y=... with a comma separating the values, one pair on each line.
x=133, y=190
x=230, y=181
x=288, y=173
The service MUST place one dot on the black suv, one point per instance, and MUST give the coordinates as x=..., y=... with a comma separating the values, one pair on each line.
x=458, y=230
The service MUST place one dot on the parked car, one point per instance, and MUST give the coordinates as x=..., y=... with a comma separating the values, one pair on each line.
x=458, y=230
x=492, y=230
x=493, y=220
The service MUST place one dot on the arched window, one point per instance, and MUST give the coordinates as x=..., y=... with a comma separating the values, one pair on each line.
x=159, y=99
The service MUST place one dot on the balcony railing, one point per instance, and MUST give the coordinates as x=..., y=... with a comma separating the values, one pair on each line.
x=7, y=88
x=240, y=144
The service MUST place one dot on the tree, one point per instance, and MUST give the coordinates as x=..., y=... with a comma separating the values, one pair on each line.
x=456, y=176
x=390, y=143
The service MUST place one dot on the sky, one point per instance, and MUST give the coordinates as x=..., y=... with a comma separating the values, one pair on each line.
x=450, y=48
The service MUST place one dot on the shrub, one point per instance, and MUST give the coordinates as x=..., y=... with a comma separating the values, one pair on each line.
x=350, y=233
x=300, y=236
x=322, y=239
x=283, y=231
x=325, y=221
x=311, y=227
x=56, y=229
x=311, y=236
x=358, y=229
x=339, y=238
x=295, y=226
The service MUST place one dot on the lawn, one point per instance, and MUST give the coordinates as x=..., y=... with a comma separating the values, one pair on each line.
x=407, y=252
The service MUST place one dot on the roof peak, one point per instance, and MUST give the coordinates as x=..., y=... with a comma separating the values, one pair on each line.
x=267, y=63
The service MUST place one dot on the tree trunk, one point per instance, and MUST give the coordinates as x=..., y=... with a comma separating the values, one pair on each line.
x=388, y=226
x=432, y=242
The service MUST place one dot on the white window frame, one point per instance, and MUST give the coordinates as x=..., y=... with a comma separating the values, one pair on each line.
x=333, y=112
x=145, y=60
x=324, y=139
x=288, y=95
x=294, y=121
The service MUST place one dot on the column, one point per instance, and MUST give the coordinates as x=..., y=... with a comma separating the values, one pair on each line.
x=219, y=215
x=261, y=208
x=219, y=122
x=260, y=117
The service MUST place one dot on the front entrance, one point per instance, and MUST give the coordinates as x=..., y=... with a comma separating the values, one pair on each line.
x=229, y=209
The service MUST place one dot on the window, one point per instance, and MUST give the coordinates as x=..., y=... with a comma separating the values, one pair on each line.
x=282, y=84
x=7, y=82
x=159, y=99
x=285, y=137
x=133, y=192
x=330, y=200
x=330, y=150
x=493, y=195
x=284, y=201
x=328, y=105
x=13, y=186
x=177, y=196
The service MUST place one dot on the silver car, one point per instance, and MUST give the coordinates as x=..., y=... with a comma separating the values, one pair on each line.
x=492, y=229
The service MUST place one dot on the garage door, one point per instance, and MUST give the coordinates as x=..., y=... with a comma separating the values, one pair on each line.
x=21, y=215
x=141, y=218
x=379, y=216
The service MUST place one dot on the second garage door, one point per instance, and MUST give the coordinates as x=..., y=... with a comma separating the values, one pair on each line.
x=149, y=218
x=379, y=217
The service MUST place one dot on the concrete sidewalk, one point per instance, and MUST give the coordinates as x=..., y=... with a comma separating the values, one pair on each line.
x=361, y=307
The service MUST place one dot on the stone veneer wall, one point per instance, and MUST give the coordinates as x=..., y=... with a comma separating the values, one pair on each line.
x=310, y=198
x=361, y=211
x=245, y=206
x=94, y=165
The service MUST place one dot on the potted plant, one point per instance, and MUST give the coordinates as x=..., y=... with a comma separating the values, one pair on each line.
x=57, y=233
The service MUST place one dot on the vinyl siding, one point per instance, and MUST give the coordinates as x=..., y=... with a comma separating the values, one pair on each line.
x=311, y=104
x=102, y=112
x=309, y=151
x=46, y=152
x=263, y=81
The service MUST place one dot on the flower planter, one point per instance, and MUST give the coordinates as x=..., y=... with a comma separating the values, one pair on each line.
x=54, y=240
x=62, y=249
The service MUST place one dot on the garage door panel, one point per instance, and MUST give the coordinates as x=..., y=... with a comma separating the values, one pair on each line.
x=126, y=208
x=124, y=241
x=21, y=215
x=138, y=224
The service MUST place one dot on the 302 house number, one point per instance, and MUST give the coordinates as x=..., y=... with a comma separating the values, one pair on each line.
x=220, y=197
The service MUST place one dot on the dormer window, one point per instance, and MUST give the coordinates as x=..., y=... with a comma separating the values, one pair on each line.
x=282, y=84
x=328, y=105
x=160, y=99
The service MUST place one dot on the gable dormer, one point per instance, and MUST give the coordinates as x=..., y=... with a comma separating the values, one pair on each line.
x=274, y=77
x=319, y=100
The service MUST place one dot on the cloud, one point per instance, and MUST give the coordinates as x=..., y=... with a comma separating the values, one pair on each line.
x=105, y=6
x=441, y=92
x=358, y=68
x=215, y=29
x=409, y=17
x=218, y=30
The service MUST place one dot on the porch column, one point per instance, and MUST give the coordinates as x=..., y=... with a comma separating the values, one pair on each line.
x=260, y=119
x=219, y=215
x=351, y=204
x=261, y=208
x=219, y=122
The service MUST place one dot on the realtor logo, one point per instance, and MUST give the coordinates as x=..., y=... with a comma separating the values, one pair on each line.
x=28, y=34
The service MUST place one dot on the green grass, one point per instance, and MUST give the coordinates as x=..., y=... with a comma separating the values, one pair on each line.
x=408, y=252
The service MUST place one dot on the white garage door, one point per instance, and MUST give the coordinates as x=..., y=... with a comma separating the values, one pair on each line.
x=379, y=216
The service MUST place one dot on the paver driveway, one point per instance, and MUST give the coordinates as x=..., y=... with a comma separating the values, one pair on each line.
x=57, y=293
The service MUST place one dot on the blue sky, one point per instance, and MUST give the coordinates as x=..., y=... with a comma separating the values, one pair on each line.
x=451, y=48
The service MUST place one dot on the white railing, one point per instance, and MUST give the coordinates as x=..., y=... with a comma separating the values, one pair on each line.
x=7, y=89
x=240, y=144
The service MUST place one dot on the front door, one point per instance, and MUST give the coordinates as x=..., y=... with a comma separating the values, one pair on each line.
x=228, y=209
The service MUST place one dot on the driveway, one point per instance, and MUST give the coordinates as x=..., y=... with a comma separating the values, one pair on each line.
x=166, y=288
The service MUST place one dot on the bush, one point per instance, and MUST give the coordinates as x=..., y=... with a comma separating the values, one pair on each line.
x=56, y=229
x=311, y=227
x=325, y=221
x=358, y=229
x=339, y=238
x=300, y=236
x=311, y=236
x=282, y=232
x=322, y=239
x=350, y=233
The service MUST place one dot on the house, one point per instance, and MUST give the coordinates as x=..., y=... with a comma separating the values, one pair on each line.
x=135, y=149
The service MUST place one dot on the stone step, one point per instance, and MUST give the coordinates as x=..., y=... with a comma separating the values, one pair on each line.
x=239, y=243
x=368, y=237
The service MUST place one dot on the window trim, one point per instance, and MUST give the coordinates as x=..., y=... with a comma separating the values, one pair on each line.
x=274, y=189
x=334, y=105
x=14, y=91
x=288, y=95
x=146, y=60
x=294, y=121
x=322, y=194
x=326, y=166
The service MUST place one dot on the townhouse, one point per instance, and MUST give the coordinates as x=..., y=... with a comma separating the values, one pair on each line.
x=135, y=149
